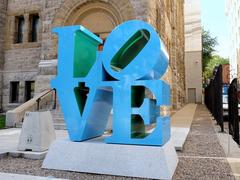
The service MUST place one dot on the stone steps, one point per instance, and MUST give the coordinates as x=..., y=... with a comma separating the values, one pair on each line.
x=57, y=125
x=58, y=119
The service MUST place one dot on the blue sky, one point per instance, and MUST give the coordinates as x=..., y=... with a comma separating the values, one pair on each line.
x=214, y=20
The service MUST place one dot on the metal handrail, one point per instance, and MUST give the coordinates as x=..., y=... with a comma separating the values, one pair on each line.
x=40, y=98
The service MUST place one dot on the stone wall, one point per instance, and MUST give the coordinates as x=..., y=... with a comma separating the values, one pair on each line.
x=168, y=18
x=20, y=65
x=22, y=60
x=3, y=9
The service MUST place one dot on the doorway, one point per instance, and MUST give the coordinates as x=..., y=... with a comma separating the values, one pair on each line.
x=191, y=95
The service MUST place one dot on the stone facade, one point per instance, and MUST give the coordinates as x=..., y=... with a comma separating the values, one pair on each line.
x=36, y=61
x=3, y=9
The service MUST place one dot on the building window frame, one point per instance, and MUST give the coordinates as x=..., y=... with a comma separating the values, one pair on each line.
x=29, y=90
x=22, y=38
x=14, y=92
x=33, y=29
x=19, y=29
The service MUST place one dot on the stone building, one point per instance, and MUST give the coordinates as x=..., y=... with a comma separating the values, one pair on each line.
x=193, y=51
x=28, y=49
x=3, y=9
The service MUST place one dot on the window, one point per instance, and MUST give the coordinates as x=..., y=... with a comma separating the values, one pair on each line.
x=19, y=27
x=33, y=27
x=29, y=90
x=14, y=90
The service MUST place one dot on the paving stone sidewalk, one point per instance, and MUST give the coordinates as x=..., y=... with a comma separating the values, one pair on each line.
x=202, y=157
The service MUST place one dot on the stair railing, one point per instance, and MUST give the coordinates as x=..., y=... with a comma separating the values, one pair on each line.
x=44, y=95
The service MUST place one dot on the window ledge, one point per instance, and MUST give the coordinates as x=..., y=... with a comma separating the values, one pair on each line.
x=14, y=104
x=25, y=45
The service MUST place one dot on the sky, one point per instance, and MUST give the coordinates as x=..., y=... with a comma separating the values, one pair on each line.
x=215, y=20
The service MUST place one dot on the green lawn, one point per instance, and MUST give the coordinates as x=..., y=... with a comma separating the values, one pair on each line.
x=2, y=121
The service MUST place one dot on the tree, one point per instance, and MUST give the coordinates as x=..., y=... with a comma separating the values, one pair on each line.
x=209, y=59
x=208, y=47
x=216, y=60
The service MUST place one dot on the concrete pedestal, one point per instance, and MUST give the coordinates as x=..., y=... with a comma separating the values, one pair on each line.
x=94, y=156
x=37, y=132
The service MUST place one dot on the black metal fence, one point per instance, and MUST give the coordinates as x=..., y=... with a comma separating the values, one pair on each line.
x=213, y=97
x=233, y=100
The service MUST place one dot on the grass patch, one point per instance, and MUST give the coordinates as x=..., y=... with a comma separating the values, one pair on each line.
x=2, y=121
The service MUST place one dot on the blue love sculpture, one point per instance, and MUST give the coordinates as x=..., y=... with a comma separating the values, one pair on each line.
x=90, y=83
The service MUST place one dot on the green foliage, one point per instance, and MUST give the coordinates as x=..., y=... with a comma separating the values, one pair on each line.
x=2, y=121
x=209, y=60
x=208, y=47
x=213, y=62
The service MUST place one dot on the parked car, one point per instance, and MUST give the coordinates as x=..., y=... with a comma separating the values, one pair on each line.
x=225, y=99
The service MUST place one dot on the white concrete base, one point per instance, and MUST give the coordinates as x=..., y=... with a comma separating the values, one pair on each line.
x=94, y=156
x=37, y=132
x=181, y=123
x=28, y=154
x=179, y=136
